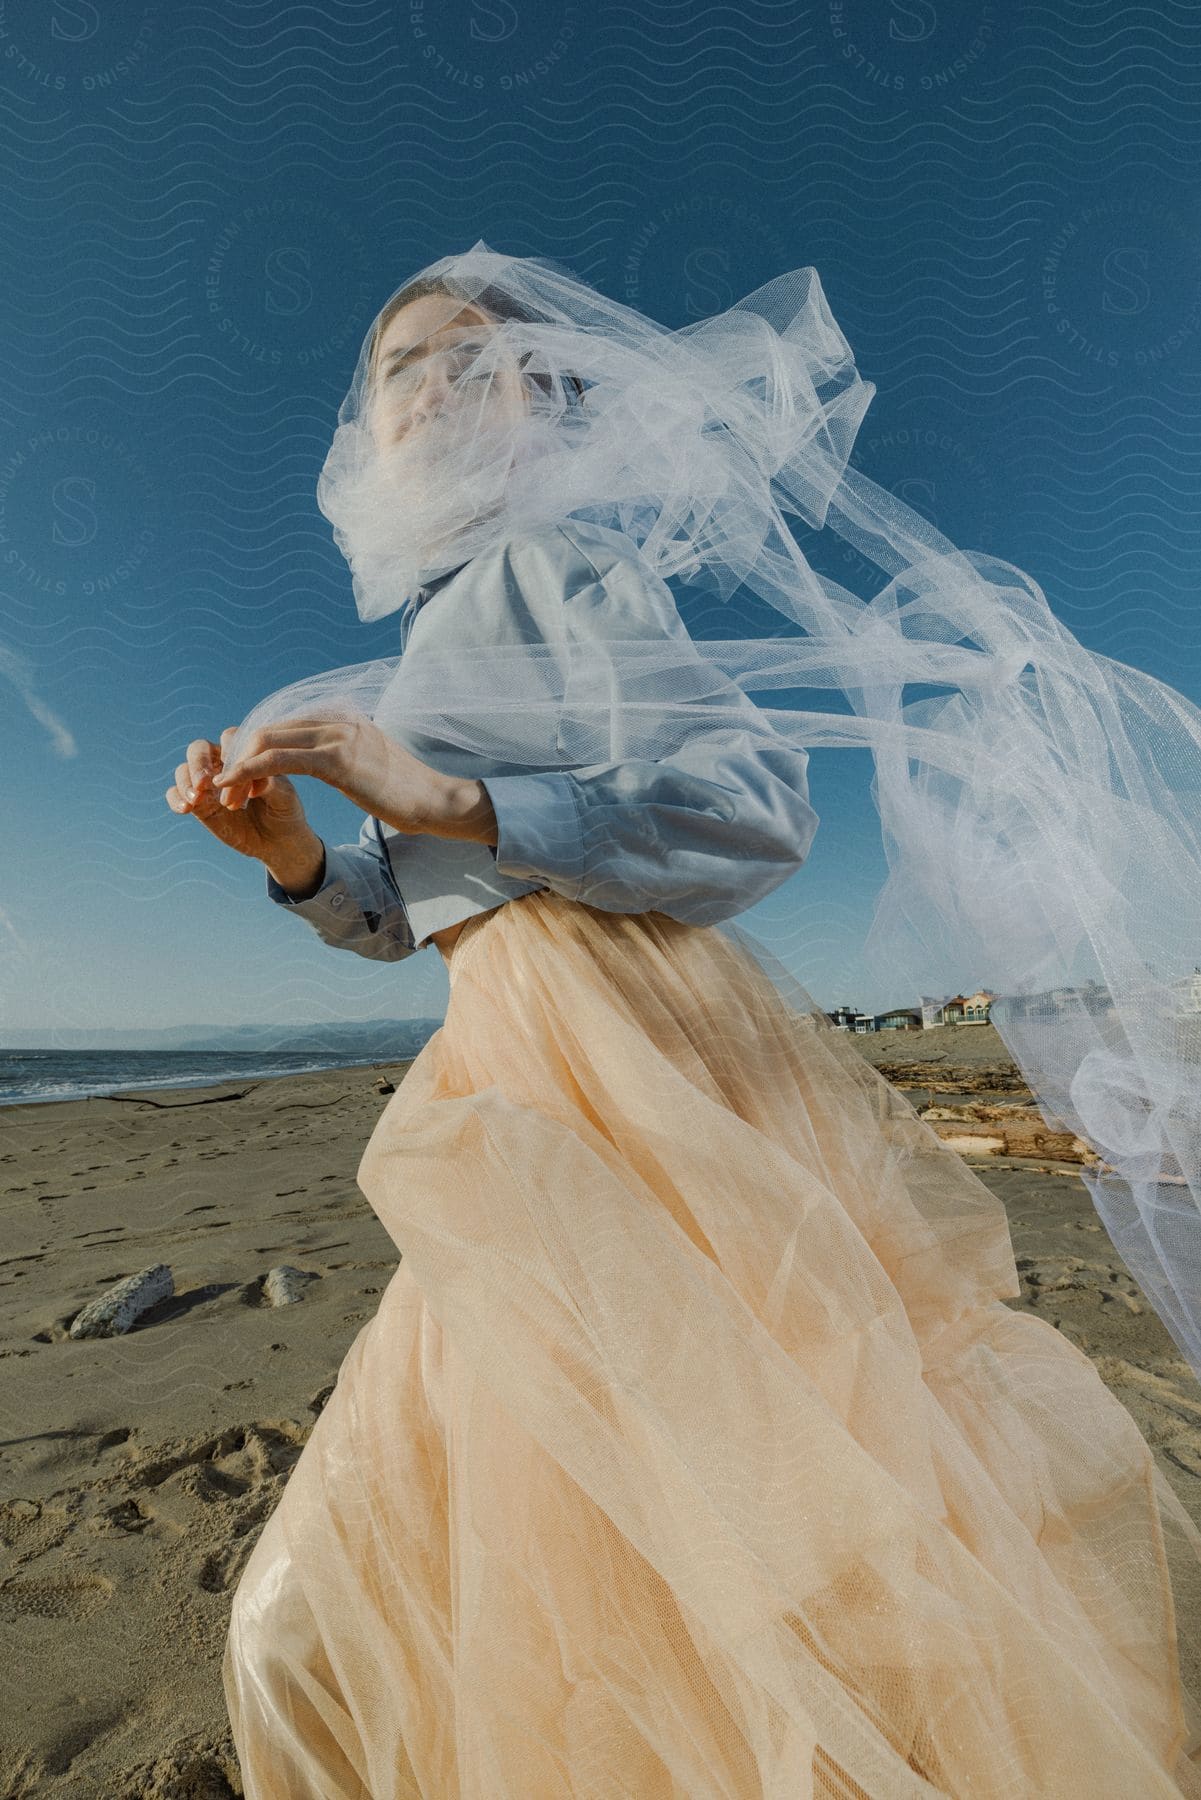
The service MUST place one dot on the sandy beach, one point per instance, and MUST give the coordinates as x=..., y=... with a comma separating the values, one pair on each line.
x=138, y=1470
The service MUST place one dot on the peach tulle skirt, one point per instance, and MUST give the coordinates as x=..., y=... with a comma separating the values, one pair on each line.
x=692, y=1451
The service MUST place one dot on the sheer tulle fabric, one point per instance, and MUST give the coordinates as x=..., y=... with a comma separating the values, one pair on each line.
x=1039, y=803
x=693, y=1452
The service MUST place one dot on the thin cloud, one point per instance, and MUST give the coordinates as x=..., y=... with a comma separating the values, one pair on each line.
x=18, y=670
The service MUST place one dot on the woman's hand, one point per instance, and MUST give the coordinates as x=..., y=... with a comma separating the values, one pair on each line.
x=371, y=769
x=268, y=818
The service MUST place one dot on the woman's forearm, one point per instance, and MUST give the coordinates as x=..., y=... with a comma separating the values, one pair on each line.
x=463, y=811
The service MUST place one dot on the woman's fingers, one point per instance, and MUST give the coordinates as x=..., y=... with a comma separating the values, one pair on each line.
x=202, y=754
x=184, y=789
x=203, y=759
x=260, y=767
x=292, y=734
x=235, y=796
x=305, y=749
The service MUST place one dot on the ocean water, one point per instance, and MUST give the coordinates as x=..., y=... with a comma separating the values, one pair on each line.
x=33, y=1076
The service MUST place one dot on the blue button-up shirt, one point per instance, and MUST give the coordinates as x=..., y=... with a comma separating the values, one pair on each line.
x=699, y=835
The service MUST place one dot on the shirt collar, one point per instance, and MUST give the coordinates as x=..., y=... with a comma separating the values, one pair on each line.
x=415, y=602
x=436, y=581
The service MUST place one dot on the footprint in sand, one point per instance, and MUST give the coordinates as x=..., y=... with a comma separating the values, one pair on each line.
x=239, y=1474
x=222, y=1569
x=55, y=1596
x=201, y=1766
x=239, y=1460
x=27, y=1528
x=128, y=1515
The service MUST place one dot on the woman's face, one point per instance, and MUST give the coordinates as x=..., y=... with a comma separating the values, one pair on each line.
x=422, y=370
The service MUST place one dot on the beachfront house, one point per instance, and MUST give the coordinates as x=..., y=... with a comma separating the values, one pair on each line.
x=943, y=1012
x=1091, y=997
x=901, y=1018
x=843, y=1017
x=976, y=1007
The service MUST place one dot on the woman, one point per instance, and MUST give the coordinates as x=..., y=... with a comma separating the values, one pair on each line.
x=693, y=1450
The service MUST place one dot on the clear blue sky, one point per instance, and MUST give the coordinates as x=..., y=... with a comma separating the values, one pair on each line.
x=203, y=208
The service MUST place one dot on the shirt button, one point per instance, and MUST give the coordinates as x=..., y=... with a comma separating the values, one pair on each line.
x=337, y=900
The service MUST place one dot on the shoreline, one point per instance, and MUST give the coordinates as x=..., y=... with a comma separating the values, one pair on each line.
x=182, y=1089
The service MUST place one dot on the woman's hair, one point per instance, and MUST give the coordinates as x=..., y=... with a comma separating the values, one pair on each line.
x=498, y=306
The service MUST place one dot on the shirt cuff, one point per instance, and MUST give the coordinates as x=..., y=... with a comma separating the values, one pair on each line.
x=539, y=832
x=330, y=898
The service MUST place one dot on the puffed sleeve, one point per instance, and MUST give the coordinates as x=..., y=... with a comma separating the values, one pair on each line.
x=357, y=907
x=701, y=834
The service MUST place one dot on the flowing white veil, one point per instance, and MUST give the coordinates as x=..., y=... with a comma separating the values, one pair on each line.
x=1040, y=814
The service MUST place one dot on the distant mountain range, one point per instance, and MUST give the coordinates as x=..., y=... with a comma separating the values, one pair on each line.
x=370, y=1037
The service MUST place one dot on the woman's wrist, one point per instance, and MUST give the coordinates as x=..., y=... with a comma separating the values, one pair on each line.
x=299, y=868
x=466, y=813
